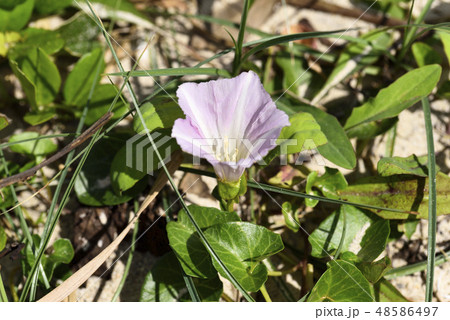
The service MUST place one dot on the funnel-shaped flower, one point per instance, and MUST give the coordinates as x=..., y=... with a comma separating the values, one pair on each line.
x=232, y=123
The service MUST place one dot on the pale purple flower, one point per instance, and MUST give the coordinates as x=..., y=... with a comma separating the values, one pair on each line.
x=232, y=123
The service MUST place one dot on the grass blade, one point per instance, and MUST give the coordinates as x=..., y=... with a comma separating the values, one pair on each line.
x=431, y=251
x=3, y=296
x=416, y=267
x=240, y=39
x=412, y=29
x=293, y=193
x=174, y=72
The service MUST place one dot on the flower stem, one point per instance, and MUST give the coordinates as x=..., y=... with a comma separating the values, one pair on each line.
x=280, y=273
x=265, y=293
x=230, y=205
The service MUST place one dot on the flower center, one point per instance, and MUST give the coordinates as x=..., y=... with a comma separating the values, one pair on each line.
x=226, y=150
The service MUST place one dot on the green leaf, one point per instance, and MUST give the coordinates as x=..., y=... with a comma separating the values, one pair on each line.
x=63, y=252
x=386, y=292
x=338, y=149
x=4, y=121
x=290, y=217
x=35, y=148
x=50, y=6
x=2, y=238
x=27, y=86
x=397, y=165
x=183, y=238
x=38, y=117
x=161, y=114
x=39, y=77
x=138, y=158
x=445, y=38
x=331, y=181
x=48, y=40
x=80, y=34
x=403, y=93
x=16, y=17
x=374, y=241
x=100, y=103
x=93, y=184
x=342, y=282
x=369, y=130
x=326, y=238
x=310, y=180
x=402, y=192
x=82, y=77
x=408, y=227
x=374, y=271
x=123, y=177
x=425, y=55
x=241, y=246
x=165, y=283
x=303, y=133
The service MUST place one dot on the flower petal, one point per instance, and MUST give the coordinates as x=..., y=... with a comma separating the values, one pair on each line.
x=230, y=122
x=191, y=140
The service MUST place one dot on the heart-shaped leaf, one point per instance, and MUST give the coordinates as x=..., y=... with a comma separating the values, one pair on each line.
x=191, y=253
x=241, y=246
x=326, y=238
x=342, y=282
